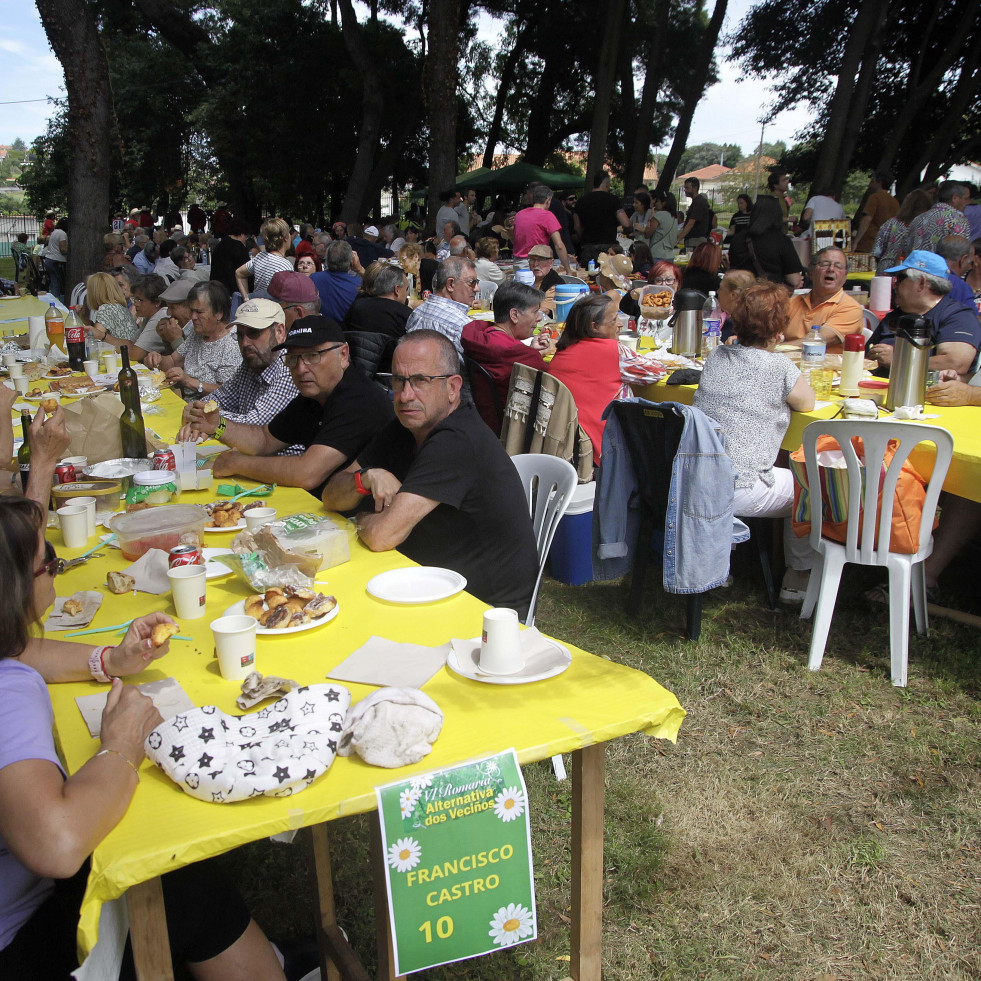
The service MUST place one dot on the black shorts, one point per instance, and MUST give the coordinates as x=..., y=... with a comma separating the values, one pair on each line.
x=205, y=916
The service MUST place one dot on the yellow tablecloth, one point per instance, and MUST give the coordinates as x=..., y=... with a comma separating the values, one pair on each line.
x=595, y=700
x=963, y=423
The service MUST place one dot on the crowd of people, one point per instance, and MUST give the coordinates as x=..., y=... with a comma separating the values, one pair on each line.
x=274, y=339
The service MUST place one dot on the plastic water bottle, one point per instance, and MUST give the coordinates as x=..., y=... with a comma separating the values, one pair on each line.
x=711, y=324
x=813, y=352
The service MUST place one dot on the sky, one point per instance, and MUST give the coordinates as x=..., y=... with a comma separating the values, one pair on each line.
x=728, y=113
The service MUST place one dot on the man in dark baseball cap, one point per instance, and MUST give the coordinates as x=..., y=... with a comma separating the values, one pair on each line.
x=296, y=294
x=338, y=411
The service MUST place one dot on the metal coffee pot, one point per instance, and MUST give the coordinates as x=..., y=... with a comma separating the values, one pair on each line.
x=686, y=323
x=911, y=356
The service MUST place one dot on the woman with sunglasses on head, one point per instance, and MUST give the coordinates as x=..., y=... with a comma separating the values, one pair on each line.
x=51, y=821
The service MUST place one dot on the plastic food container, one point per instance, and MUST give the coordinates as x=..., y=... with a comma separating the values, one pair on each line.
x=153, y=487
x=873, y=388
x=121, y=469
x=107, y=494
x=163, y=527
x=309, y=534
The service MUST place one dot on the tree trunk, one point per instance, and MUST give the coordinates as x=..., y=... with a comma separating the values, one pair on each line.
x=503, y=88
x=692, y=96
x=539, y=116
x=860, y=99
x=653, y=79
x=605, y=75
x=74, y=38
x=843, y=102
x=373, y=105
x=921, y=90
x=439, y=92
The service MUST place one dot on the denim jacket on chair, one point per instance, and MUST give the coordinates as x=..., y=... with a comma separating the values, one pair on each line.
x=699, y=528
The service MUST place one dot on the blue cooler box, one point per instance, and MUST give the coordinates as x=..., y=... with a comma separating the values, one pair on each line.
x=571, y=554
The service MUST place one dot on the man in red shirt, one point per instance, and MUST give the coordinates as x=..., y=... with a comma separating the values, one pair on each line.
x=538, y=226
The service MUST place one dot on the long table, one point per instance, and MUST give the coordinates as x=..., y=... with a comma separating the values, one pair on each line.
x=963, y=423
x=594, y=701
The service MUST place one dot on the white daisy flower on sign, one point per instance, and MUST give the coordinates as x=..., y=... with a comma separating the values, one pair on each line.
x=511, y=924
x=408, y=800
x=420, y=783
x=404, y=854
x=509, y=804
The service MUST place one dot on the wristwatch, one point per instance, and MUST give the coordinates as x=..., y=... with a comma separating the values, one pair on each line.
x=200, y=386
x=358, y=485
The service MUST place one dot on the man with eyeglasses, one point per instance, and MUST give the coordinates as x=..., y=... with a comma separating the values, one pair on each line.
x=437, y=485
x=827, y=304
x=260, y=389
x=448, y=308
x=337, y=411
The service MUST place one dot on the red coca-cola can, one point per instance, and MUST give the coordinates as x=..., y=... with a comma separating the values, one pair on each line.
x=164, y=460
x=64, y=473
x=186, y=555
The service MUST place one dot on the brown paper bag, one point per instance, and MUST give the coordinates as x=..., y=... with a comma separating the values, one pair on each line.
x=93, y=427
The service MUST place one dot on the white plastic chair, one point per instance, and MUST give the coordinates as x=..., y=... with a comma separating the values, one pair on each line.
x=905, y=571
x=871, y=322
x=548, y=482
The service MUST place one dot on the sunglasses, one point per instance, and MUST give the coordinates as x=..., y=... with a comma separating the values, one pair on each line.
x=901, y=277
x=52, y=564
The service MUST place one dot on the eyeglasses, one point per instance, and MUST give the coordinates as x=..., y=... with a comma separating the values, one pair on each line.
x=308, y=357
x=52, y=564
x=663, y=281
x=418, y=383
x=472, y=283
x=252, y=333
x=901, y=277
x=824, y=264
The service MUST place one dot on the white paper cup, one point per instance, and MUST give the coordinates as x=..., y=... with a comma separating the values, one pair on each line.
x=91, y=368
x=74, y=525
x=187, y=586
x=112, y=363
x=16, y=370
x=255, y=518
x=22, y=384
x=9, y=359
x=78, y=462
x=235, y=642
x=89, y=504
x=500, y=647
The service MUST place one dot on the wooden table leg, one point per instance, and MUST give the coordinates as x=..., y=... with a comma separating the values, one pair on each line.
x=588, y=789
x=383, y=928
x=337, y=958
x=148, y=931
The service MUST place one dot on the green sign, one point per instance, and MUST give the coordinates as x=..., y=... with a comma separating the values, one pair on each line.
x=458, y=862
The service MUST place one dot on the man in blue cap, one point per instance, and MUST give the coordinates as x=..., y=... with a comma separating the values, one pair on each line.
x=922, y=289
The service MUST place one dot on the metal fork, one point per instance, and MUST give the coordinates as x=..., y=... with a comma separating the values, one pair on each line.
x=64, y=566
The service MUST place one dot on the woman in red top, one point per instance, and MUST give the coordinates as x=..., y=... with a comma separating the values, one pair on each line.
x=587, y=361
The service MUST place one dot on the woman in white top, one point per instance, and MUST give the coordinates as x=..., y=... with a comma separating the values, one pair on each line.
x=487, y=250
x=276, y=239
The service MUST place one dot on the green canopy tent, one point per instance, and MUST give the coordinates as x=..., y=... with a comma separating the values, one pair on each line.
x=516, y=177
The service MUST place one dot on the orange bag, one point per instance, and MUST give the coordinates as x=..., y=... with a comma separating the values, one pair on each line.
x=907, y=508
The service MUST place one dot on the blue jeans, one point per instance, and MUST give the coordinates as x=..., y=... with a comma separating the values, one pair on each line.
x=56, y=274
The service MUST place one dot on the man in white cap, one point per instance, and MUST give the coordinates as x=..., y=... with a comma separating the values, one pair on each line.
x=368, y=247
x=261, y=388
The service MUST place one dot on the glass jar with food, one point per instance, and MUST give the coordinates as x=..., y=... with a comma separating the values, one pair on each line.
x=152, y=487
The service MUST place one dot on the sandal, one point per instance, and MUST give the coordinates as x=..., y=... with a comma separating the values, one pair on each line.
x=880, y=594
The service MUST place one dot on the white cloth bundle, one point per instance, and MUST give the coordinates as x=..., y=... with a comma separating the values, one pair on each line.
x=392, y=727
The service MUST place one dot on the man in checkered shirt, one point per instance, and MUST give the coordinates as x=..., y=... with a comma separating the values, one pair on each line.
x=263, y=386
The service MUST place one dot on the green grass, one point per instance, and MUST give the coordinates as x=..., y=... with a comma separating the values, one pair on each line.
x=805, y=826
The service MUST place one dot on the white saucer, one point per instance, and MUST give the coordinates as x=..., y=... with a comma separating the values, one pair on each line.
x=538, y=667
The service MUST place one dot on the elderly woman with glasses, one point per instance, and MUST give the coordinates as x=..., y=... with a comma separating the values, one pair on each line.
x=51, y=821
x=211, y=355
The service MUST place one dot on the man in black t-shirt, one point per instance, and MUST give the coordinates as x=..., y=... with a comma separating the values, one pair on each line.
x=444, y=491
x=698, y=223
x=338, y=411
x=596, y=218
x=230, y=253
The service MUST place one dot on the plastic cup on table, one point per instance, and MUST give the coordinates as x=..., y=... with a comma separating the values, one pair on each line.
x=22, y=384
x=9, y=359
x=500, y=645
x=255, y=518
x=112, y=363
x=16, y=370
x=89, y=504
x=74, y=525
x=188, y=587
x=821, y=383
x=91, y=368
x=235, y=643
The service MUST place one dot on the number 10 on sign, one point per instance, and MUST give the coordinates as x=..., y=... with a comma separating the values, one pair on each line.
x=458, y=862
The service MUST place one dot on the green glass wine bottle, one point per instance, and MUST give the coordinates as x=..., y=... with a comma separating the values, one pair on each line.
x=131, y=428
